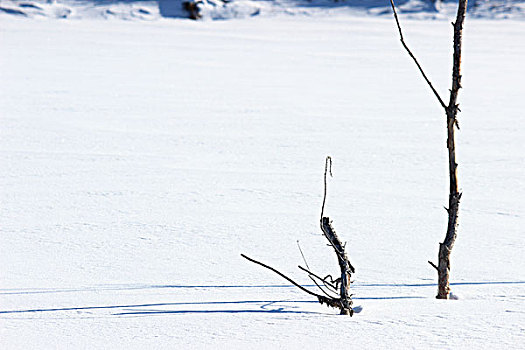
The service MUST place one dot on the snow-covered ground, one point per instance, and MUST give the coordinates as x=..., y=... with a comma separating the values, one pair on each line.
x=149, y=10
x=139, y=159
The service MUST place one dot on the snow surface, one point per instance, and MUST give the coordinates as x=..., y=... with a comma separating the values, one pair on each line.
x=139, y=159
x=149, y=10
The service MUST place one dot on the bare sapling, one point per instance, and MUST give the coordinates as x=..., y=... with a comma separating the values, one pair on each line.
x=451, y=111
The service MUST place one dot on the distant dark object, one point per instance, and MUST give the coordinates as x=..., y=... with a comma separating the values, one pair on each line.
x=181, y=8
x=192, y=7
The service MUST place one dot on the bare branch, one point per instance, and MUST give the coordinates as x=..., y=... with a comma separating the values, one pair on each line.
x=433, y=265
x=282, y=275
x=456, y=67
x=321, y=288
x=327, y=169
x=304, y=259
x=319, y=278
x=414, y=58
x=332, y=302
x=310, y=274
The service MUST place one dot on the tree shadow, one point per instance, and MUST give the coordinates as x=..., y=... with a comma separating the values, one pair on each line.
x=435, y=284
x=233, y=286
x=175, y=312
x=263, y=306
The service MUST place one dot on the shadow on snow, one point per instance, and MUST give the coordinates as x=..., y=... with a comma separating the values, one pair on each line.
x=140, y=287
x=262, y=308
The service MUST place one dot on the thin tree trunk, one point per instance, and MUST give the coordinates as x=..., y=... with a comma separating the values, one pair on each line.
x=451, y=111
x=445, y=248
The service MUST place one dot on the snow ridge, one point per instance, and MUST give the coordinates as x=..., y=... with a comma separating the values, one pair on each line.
x=229, y=9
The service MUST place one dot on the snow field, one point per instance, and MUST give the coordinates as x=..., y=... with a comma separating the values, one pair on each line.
x=140, y=159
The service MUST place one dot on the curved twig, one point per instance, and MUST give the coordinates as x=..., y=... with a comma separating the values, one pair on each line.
x=327, y=169
x=332, y=302
x=283, y=276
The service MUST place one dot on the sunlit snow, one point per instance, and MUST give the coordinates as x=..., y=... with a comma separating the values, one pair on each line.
x=139, y=159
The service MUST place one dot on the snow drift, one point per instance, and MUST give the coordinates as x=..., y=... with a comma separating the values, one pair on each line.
x=228, y=9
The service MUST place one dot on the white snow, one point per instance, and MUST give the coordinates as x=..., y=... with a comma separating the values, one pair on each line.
x=139, y=159
x=151, y=10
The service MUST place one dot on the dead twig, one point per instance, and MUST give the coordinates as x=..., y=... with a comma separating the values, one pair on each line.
x=327, y=169
x=325, y=282
x=414, y=58
x=336, y=303
x=313, y=280
x=433, y=265
x=304, y=259
x=282, y=275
